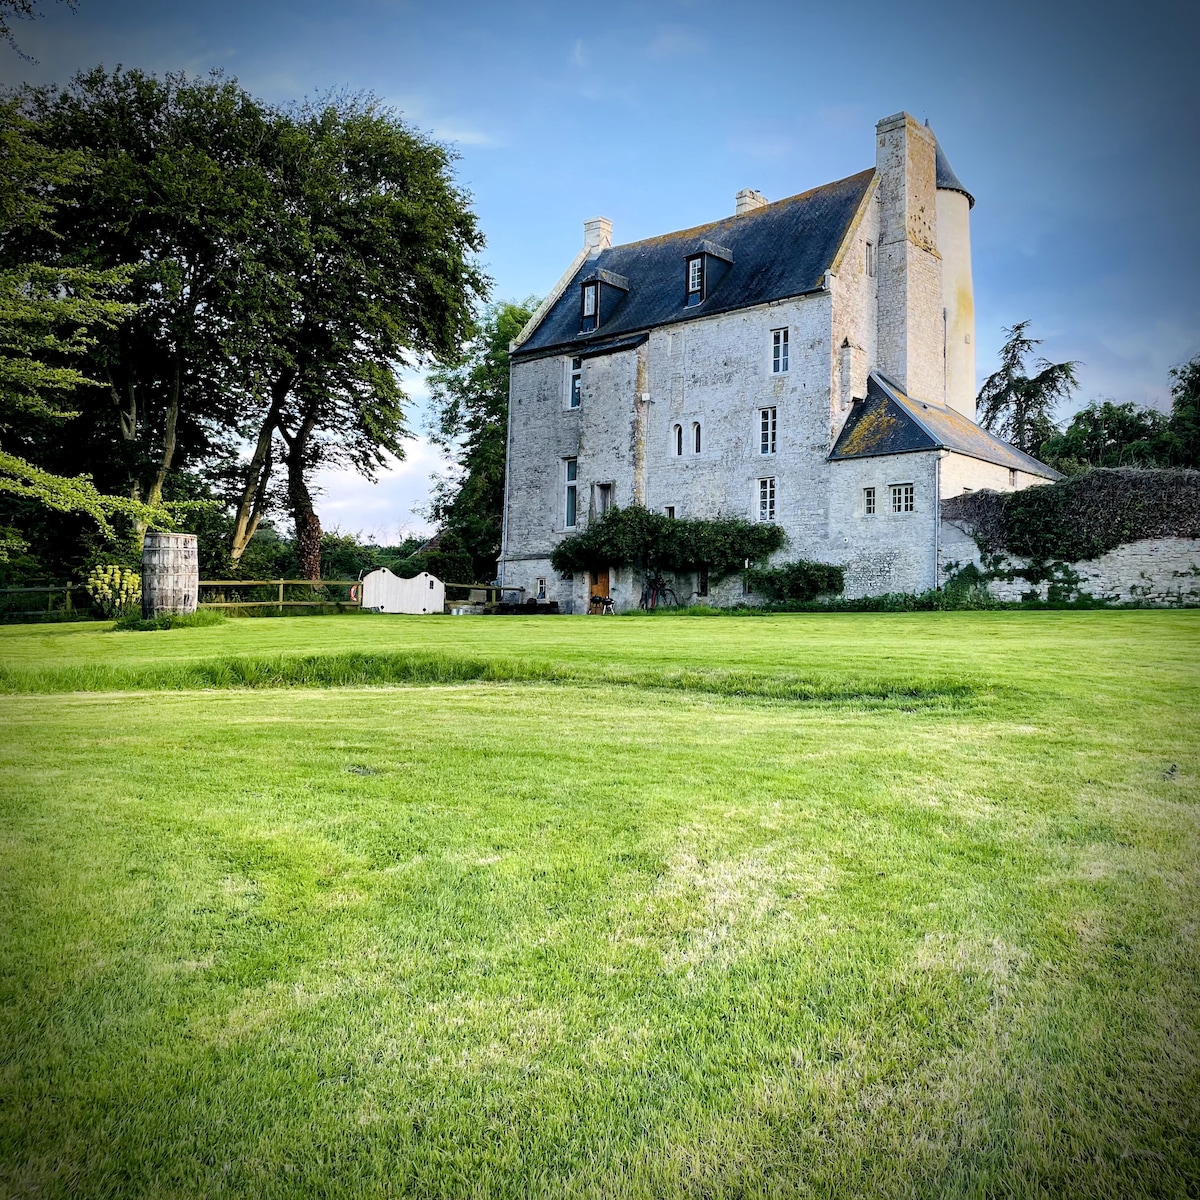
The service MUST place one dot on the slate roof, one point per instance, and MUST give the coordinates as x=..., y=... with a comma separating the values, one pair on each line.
x=889, y=422
x=780, y=250
x=946, y=178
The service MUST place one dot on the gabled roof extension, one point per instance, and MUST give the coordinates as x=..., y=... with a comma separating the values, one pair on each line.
x=779, y=250
x=889, y=422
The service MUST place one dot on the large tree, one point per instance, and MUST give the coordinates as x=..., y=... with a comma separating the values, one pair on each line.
x=471, y=424
x=373, y=269
x=1184, y=423
x=1107, y=434
x=1018, y=405
x=284, y=263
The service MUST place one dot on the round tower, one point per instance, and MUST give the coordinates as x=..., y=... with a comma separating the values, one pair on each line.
x=954, y=204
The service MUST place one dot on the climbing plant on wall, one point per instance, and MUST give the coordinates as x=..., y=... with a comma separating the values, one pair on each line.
x=650, y=541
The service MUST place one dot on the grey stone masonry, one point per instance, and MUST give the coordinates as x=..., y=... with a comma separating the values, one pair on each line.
x=1161, y=572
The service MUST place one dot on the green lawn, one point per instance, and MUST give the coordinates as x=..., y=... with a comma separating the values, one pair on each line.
x=897, y=904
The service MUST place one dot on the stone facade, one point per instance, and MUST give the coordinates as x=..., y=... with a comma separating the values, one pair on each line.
x=672, y=415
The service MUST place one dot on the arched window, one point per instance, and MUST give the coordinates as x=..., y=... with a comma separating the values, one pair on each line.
x=695, y=437
x=679, y=439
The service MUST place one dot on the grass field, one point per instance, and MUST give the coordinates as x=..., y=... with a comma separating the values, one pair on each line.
x=896, y=905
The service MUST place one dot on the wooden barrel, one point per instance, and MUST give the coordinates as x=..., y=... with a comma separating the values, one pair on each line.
x=170, y=574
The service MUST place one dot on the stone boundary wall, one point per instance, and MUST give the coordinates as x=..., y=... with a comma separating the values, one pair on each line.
x=1164, y=572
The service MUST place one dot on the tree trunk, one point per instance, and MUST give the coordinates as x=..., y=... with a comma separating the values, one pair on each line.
x=304, y=515
x=169, y=435
x=253, y=501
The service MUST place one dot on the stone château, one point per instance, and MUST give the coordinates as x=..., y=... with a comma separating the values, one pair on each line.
x=809, y=361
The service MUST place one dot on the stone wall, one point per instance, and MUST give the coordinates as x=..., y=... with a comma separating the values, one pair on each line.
x=1157, y=571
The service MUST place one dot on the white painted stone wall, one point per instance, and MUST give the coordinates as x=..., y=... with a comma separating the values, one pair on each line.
x=958, y=299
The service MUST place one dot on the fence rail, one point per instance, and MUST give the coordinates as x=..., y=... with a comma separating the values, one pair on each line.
x=59, y=596
x=53, y=592
x=279, y=600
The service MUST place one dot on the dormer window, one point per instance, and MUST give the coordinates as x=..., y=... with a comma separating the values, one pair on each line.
x=704, y=270
x=589, y=314
x=601, y=294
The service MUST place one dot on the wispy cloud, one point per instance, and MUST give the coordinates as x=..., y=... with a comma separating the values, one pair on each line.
x=677, y=41
x=464, y=137
x=578, y=56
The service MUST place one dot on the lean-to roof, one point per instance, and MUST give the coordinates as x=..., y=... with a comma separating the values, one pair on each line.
x=890, y=422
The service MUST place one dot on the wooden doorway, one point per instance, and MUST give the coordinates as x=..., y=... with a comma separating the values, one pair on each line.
x=598, y=592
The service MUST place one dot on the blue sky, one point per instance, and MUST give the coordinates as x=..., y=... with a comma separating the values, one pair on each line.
x=1072, y=123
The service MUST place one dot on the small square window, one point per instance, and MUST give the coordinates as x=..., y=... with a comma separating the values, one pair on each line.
x=779, y=351
x=903, y=497
x=766, y=430
x=604, y=495
x=766, y=499
x=869, y=501
x=1012, y=477
x=576, y=382
x=669, y=511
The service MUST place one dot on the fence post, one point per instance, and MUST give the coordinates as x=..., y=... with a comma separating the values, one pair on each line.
x=281, y=597
x=67, y=593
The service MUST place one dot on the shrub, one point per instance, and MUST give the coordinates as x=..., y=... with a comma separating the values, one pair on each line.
x=799, y=580
x=115, y=590
x=650, y=541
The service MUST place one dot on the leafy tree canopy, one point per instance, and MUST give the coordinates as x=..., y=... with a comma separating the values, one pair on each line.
x=49, y=317
x=471, y=423
x=1019, y=406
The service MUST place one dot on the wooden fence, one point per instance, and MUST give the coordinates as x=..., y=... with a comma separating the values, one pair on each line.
x=277, y=593
x=67, y=599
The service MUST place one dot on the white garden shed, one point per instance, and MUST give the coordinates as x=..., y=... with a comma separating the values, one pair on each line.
x=384, y=592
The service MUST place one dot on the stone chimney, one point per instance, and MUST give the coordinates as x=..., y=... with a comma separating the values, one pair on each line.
x=911, y=323
x=748, y=200
x=597, y=235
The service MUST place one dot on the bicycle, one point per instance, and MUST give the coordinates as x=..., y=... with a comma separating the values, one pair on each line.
x=655, y=592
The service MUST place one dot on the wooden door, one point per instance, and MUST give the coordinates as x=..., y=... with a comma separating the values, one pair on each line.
x=598, y=591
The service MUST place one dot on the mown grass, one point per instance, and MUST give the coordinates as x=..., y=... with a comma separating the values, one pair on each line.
x=594, y=934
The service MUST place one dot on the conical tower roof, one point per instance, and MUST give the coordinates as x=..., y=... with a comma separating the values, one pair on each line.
x=946, y=178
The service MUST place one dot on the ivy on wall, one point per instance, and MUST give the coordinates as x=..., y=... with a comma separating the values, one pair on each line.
x=650, y=541
x=1083, y=517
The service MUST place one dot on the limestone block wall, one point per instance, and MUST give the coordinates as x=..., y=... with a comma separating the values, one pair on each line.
x=882, y=551
x=911, y=324
x=714, y=373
